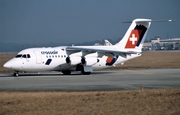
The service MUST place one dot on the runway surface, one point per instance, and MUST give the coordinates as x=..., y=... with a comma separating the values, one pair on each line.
x=97, y=81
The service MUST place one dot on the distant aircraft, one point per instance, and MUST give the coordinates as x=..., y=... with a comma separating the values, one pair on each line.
x=107, y=43
x=82, y=58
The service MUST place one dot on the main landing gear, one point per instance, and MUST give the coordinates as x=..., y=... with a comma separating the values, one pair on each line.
x=85, y=73
x=85, y=70
x=66, y=72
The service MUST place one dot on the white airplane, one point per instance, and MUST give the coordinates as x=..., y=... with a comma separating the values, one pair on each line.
x=82, y=58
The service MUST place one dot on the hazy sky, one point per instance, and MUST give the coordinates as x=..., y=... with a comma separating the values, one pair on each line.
x=73, y=21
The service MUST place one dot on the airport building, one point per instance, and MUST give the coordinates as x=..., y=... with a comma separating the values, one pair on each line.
x=163, y=44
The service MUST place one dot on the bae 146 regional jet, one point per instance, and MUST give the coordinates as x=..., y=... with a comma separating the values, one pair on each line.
x=82, y=58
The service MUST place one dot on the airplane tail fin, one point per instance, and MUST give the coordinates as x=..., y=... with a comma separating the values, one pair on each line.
x=134, y=38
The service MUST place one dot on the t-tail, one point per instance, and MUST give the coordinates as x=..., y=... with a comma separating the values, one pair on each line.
x=134, y=38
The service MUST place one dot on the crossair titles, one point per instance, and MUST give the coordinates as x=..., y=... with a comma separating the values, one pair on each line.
x=49, y=52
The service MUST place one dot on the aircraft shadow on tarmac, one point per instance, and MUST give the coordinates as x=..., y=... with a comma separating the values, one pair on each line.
x=55, y=74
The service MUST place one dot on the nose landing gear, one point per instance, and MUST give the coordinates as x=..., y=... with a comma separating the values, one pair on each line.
x=16, y=74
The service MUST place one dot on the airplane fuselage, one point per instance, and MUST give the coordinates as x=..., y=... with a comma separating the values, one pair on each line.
x=55, y=59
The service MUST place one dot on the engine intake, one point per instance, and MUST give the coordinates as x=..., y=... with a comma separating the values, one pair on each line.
x=89, y=61
x=73, y=60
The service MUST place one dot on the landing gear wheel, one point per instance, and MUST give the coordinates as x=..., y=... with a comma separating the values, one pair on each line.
x=83, y=72
x=67, y=72
x=86, y=73
x=16, y=74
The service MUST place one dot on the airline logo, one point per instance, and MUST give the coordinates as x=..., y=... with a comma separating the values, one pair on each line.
x=49, y=52
x=136, y=36
x=133, y=39
x=110, y=61
x=48, y=61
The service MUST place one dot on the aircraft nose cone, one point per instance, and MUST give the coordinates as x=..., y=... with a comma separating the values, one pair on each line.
x=7, y=65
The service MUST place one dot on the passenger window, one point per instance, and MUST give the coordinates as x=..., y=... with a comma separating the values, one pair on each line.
x=56, y=56
x=28, y=56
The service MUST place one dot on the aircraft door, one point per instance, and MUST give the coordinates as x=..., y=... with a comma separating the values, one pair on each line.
x=38, y=57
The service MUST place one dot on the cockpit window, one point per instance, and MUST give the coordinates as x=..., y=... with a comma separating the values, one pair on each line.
x=18, y=56
x=23, y=56
x=28, y=56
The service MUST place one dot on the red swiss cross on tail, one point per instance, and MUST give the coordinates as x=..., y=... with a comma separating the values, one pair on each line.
x=133, y=39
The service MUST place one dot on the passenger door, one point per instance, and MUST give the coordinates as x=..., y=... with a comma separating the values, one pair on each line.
x=38, y=56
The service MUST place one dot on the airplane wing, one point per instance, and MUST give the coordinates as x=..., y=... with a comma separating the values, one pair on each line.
x=108, y=51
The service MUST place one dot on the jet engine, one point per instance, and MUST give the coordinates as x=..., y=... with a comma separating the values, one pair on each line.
x=89, y=61
x=73, y=60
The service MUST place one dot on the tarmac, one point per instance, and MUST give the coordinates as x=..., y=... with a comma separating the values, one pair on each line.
x=97, y=81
